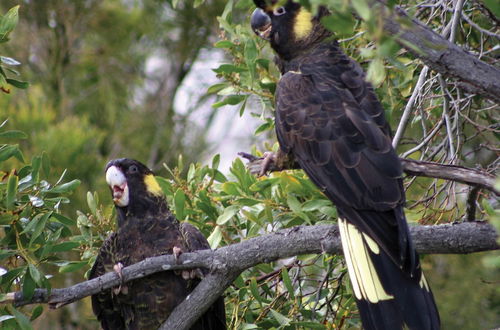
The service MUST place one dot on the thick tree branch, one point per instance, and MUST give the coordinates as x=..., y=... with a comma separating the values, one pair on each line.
x=442, y=55
x=227, y=262
x=470, y=176
x=427, y=239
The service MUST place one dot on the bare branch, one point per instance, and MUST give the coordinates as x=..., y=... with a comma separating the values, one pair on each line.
x=461, y=174
x=471, y=203
x=202, y=297
x=442, y=55
x=450, y=172
x=227, y=262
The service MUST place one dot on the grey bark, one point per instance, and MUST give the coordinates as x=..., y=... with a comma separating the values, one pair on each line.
x=227, y=262
x=442, y=55
x=470, y=176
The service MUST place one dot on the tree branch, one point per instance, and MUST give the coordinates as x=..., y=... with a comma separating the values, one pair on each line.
x=461, y=174
x=470, y=176
x=442, y=55
x=227, y=262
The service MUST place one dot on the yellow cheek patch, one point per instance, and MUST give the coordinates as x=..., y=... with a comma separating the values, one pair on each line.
x=152, y=185
x=303, y=24
x=364, y=278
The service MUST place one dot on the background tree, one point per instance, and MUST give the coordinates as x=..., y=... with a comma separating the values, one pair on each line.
x=104, y=79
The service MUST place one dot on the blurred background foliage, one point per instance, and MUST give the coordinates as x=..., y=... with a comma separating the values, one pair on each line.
x=133, y=78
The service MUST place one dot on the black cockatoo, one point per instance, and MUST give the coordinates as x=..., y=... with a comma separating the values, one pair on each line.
x=146, y=228
x=329, y=120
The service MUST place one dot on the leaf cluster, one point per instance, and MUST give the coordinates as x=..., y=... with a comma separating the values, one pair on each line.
x=306, y=291
x=35, y=235
x=7, y=23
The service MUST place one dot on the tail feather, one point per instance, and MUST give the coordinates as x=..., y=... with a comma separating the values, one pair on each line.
x=387, y=296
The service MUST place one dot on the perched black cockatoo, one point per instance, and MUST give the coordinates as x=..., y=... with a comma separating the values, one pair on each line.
x=330, y=121
x=146, y=228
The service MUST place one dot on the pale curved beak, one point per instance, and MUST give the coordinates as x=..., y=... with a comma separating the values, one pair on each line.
x=118, y=184
x=261, y=23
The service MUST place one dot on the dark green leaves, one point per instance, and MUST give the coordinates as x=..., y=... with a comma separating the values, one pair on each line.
x=11, y=191
x=7, y=23
x=65, y=187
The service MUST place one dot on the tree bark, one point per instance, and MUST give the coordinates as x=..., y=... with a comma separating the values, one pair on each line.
x=227, y=262
x=470, y=176
x=442, y=55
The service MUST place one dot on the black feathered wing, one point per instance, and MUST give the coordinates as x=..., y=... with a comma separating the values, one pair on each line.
x=105, y=309
x=330, y=120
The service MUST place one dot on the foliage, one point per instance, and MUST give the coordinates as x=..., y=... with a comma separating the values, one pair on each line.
x=307, y=291
x=7, y=23
x=34, y=232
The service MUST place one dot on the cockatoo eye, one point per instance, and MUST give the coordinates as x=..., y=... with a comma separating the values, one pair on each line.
x=279, y=11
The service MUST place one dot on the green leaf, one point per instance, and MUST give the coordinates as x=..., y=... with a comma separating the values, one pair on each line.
x=8, y=22
x=37, y=311
x=65, y=187
x=229, y=100
x=72, y=266
x=254, y=289
x=39, y=227
x=36, y=163
x=376, y=72
x=65, y=246
x=6, y=219
x=28, y=286
x=315, y=204
x=179, y=201
x=64, y=220
x=13, y=135
x=216, y=88
x=11, y=275
x=18, y=83
x=288, y=282
x=216, y=161
x=493, y=6
x=228, y=213
x=294, y=204
x=8, y=151
x=250, y=54
x=264, y=127
x=282, y=319
x=230, y=188
x=246, y=201
x=11, y=191
x=198, y=3
x=215, y=237
x=224, y=44
x=488, y=208
x=229, y=68
x=165, y=185
x=22, y=320
x=91, y=203
x=35, y=274
x=340, y=23
x=362, y=8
